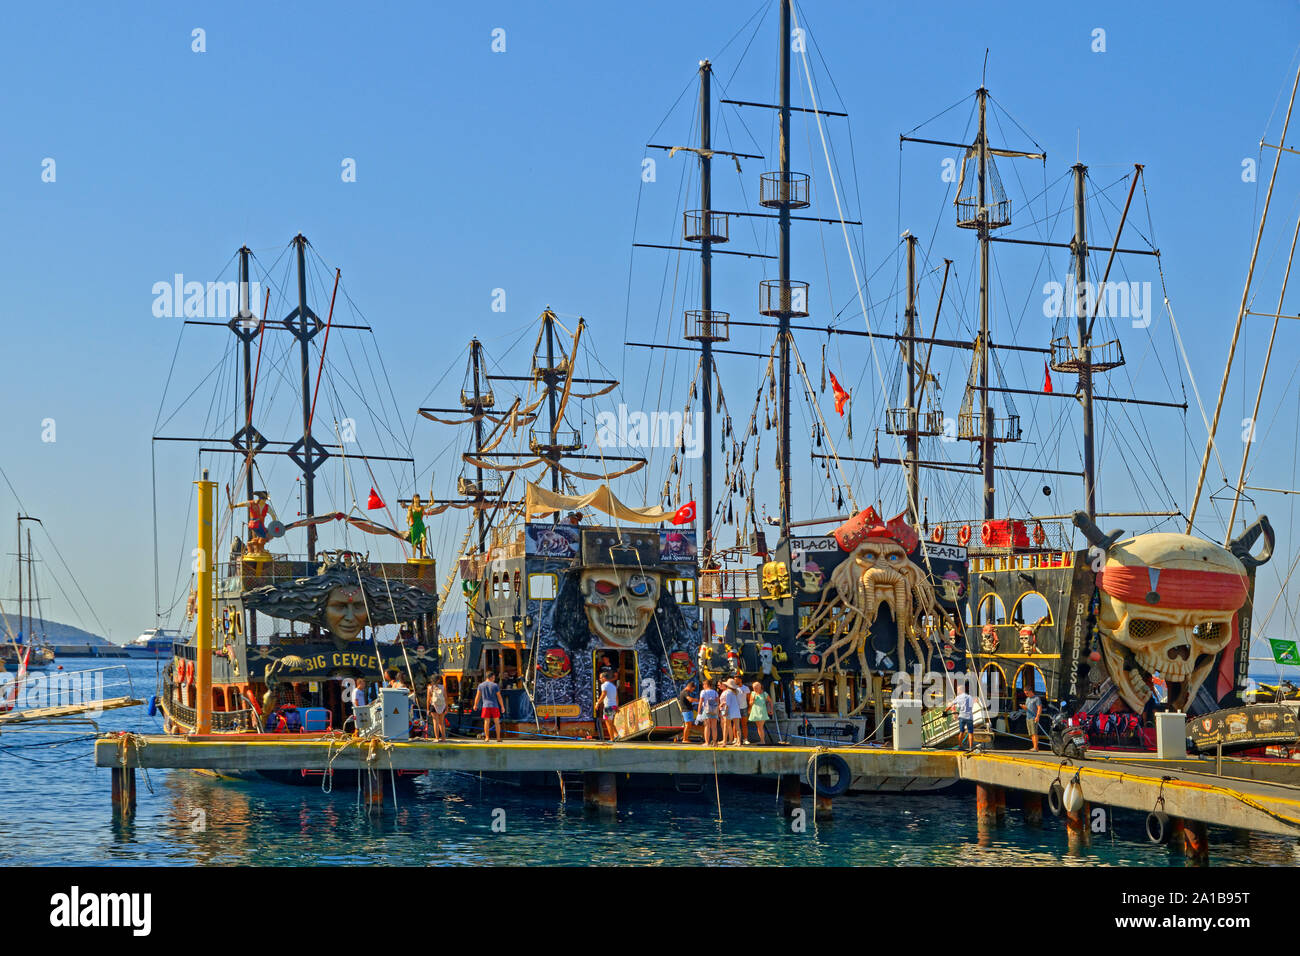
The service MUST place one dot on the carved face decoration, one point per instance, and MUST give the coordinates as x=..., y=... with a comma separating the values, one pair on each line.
x=555, y=663
x=345, y=612
x=681, y=665
x=881, y=568
x=1167, y=608
x=813, y=577
x=619, y=603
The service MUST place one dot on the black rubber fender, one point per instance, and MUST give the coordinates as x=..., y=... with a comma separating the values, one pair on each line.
x=1158, y=829
x=1056, y=798
x=837, y=765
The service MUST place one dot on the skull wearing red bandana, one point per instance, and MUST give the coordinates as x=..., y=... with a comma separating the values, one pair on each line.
x=1168, y=604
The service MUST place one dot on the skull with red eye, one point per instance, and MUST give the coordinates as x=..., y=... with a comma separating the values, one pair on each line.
x=619, y=603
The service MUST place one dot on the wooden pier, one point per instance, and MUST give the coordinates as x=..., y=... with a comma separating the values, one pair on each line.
x=1248, y=795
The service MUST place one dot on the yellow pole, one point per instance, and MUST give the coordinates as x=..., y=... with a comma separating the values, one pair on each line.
x=203, y=632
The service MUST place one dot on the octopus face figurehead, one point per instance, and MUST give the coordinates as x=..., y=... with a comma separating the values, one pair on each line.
x=877, y=573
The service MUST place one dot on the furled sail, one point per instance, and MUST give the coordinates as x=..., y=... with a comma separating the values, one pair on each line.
x=541, y=501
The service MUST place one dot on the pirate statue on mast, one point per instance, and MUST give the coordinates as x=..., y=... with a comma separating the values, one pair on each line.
x=260, y=530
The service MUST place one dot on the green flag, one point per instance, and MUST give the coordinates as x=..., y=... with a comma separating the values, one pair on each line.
x=1285, y=652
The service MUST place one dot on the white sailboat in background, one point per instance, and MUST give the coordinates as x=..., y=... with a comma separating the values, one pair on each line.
x=23, y=650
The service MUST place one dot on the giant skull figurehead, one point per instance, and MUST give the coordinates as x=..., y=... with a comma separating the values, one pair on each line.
x=1168, y=606
x=620, y=602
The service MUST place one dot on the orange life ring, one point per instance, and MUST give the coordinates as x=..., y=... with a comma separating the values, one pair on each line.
x=1040, y=535
x=963, y=536
x=986, y=533
x=937, y=534
x=189, y=671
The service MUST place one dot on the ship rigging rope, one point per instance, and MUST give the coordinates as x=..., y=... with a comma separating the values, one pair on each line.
x=812, y=401
x=914, y=506
x=853, y=264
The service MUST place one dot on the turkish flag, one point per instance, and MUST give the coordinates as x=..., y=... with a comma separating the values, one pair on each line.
x=375, y=501
x=685, y=514
x=841, y=396
x=1047, y=378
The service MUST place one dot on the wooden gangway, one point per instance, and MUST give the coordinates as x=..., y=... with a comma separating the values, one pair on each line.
x=58, y=711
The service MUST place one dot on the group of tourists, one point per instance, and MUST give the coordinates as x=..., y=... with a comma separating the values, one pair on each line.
x=726, y=712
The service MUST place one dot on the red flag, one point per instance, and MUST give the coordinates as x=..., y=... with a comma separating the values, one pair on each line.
x=1047, y=378
x=685, y=514
x=841, y=396
x=375, y=501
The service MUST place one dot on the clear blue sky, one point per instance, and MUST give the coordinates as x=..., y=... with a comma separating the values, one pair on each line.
x=522, y=170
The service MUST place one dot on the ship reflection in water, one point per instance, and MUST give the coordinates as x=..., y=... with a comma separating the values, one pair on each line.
x=449, y=820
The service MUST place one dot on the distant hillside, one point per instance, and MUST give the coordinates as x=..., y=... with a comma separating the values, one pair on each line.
x=56, y=633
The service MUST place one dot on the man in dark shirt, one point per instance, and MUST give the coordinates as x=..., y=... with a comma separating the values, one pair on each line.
x=688, y=700
x=488, y=696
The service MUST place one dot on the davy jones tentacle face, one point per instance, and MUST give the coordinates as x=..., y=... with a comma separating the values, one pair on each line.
x=345, y=612
x=1167, y=607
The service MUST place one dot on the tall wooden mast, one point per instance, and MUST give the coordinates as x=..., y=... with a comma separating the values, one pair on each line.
x=982, y=231
x=1080, y=249
x=705, y=513
x=783, y=266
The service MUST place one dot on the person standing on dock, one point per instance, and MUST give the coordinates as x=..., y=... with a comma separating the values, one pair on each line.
x=688, y=701
x=488, y=696
x=709, y=711
x=724, y=711
x=742, y=695
x=731, y=704
x=436, y=704
x=1033, y=711
x=608, y=703
x=964, y=706
x=358, y=700
x=760, y=711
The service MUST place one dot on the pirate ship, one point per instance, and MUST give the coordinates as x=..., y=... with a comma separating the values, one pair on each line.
x=838, y=624
x=561, y=587
x=279, y=639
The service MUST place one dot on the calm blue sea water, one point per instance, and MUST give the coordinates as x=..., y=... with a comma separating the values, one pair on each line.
x=54, y=809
